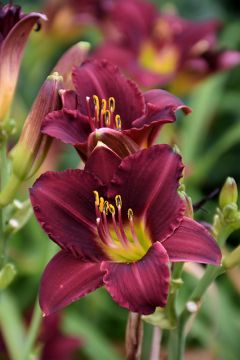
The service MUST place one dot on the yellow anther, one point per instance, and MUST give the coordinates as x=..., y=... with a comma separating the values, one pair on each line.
x=96, y=103
x=96, y=197
x=107, y=116
x=106, y=207
x=101, y=204
x=130, y=214
x=111, y=104
x=104, y=105
x=111, y=209
x=118, y=122
x=118, y=200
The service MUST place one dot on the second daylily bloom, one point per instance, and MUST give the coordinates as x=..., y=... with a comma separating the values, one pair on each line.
x=105, y=102
x=119, y=225
x=15, y=27
x=158, y=49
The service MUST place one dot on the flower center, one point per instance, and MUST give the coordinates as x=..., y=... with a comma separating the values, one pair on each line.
x=104, y=113
x=123, y=242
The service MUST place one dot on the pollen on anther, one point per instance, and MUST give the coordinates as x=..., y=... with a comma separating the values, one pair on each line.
x=111, y=209
x=130, y=214
x=118, y=200
x=101, y=204
x=96, y=197
x=118, y=122
x=111, y=104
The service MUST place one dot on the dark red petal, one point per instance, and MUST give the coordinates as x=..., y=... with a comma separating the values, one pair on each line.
x=161, y=107
x=121, y=144
x=69, y=99
x=192, y=242
x=139, y=286
x=69, y=126
x=103, y=163
x=64, y=205
x=105, y=80
x=163, y=99
x=65, y=280
x=148, y=182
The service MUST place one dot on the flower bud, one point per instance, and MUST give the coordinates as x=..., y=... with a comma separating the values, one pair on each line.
x=7, y=274
x=232, y=259
x=72, y=57
x=229, y=193
x=13, y=39
x=31, y=149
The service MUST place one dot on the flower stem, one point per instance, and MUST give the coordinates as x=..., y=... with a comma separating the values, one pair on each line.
x=134, y=336
x=3, y=179
x=33, y=331
x=156, y=343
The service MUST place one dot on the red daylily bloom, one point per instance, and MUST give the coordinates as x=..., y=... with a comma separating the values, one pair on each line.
x=161, y=47
x=106, y=104
x=119, y=226
x=15, y=27
x=69, y=18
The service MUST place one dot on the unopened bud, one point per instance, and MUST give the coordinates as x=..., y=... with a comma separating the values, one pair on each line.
x=72, y=57
x=232, y=259
x=32, y=147
x=7, y=274
x=229, y=193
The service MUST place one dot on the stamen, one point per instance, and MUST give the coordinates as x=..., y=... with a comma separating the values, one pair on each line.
x=130, y=214
x=103, y=110
x=96, y=194
x=101, y=204
x=97, y=109
x=134, y=235
x=107, y=117
x=89, y=113
x=118, y=122
x=106, y=207
x=118, y=201
x=111, y=104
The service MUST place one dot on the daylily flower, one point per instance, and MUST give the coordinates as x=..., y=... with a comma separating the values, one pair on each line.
x=119, y=224
x=105, y=104
x=166, y=50
x=15, y=27
x=69, y=18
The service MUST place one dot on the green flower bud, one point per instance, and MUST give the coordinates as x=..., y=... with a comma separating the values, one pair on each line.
x=7, y=275
x=229, y=193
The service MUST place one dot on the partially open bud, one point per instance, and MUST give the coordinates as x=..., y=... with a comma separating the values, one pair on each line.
x=14, y=32
x=31, y=149
x=228, y=194
x=72, y=57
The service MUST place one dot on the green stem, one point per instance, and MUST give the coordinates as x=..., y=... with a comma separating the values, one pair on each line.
x=3, y=179
x=176, y=343
x=33, y=331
